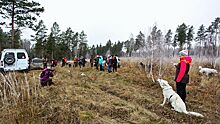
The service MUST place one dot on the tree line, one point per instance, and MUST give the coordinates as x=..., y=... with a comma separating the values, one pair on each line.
x=206, y=42
x=68, y=43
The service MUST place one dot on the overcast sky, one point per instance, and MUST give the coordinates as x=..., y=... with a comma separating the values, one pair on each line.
x=117, y=19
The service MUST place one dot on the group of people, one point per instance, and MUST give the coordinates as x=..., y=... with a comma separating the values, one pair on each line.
x=111, y=63
x=76, y=62
x=81, y=62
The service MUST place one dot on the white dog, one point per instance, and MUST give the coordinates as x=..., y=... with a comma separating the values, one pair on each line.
x=175, y=100
x=207, y=71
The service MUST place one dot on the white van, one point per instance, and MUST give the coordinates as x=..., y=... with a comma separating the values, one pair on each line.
x=14, y=59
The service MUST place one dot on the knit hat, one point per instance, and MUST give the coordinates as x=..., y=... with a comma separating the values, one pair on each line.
x=183, y=53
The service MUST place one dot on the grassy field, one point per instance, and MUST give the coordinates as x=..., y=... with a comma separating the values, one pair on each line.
x=127, y=96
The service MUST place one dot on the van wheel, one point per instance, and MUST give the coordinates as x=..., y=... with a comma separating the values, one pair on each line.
x=9, y=60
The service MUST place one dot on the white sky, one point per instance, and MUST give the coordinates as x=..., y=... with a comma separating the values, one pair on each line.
x=117, y=19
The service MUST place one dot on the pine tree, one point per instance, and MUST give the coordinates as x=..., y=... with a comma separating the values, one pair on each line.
x=83, y=46
x=210, y=38
x=93, y=51
x=108, y=47
x=39, y=38
x=119, y=48
x=21, y=12
x=75, y=42
x=168, y=37
x=174, y=44
x=139, y=41
x=3, y=39
x=168, y=40
x=200, y=37
x=65, y=42
x=189, y=37
x=216, y=27
x=52, y=41
x=181, y=35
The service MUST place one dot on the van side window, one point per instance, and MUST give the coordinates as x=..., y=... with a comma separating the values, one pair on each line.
x=21, y=56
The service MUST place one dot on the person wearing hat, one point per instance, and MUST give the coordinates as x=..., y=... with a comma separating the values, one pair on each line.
x=182, y=76
x=45, y=75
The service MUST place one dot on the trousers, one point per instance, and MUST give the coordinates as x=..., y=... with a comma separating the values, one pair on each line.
x=181, y=90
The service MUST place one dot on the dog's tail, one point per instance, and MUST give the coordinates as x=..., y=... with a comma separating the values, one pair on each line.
x=194, y=114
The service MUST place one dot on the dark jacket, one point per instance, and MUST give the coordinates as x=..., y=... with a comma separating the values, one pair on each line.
x=114, y=62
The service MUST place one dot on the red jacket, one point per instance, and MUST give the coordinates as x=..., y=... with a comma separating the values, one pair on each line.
x=182, y=69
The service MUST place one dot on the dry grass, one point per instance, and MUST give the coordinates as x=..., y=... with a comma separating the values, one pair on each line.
x=127, y=96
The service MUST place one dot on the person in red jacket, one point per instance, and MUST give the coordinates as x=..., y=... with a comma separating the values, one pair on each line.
x=182, y=76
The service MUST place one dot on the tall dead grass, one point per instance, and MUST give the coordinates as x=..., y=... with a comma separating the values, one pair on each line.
x=23, y=100
x=16, y=89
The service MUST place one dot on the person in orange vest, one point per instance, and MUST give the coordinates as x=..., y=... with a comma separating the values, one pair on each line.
x=182, y=76
x=65, y=59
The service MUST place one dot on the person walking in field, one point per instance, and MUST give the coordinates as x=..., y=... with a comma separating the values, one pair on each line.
x=97, y=62
x=118, y=61
x=91, y=61
x=182, y=76
x=100, y=63
x=110, y=64
x=63, y=62
x=103, y=64
x=115, y=64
